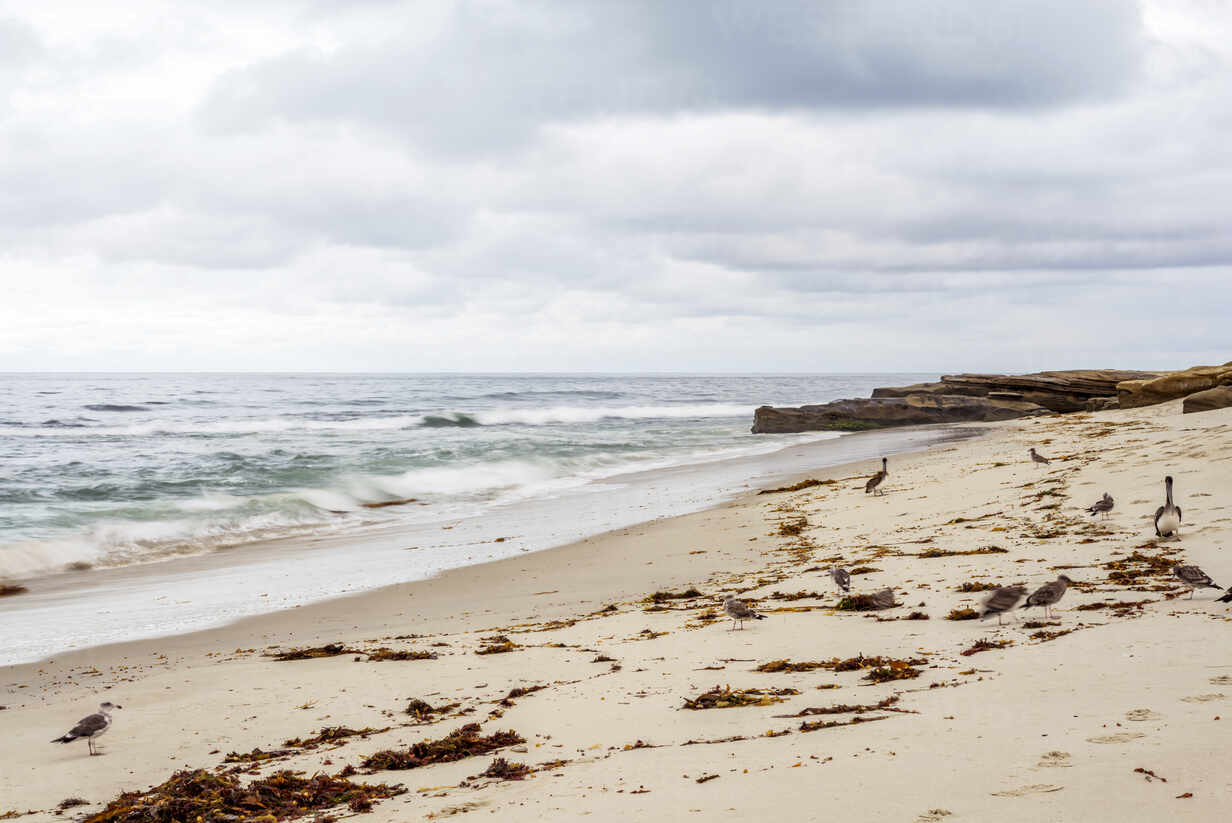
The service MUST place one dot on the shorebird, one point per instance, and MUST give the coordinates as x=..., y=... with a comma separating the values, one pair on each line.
x=1227, y=596
x=877, y=479
x=1001, y=601
x=1038, y=458
x=1048, y=594
x=737, y=610
x=1168, y=516
x=883, y=599
x=1194, y=578
x=1102, y=505
x=841, y=578
x=90, y=726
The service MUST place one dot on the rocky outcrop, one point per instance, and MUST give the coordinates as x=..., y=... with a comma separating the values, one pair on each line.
x=1219, y=397
x=1058, y=391
x=1132, y=394
x=884, y=412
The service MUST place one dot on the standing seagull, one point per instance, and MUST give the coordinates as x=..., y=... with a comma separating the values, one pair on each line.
x=1001, y=601
x=1103, y=505
x=1194, y=578
x=91, y=726
x=841, y=578
x=737, y=610
x=1038, y=458
x=877, y=479
x=1168, y=516
x=1048, y=594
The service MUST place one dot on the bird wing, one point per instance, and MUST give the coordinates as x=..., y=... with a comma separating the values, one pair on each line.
x=1158, y=514
x=737, y=609
x=89, y=726
x=1193, y=574
x=1178, y=513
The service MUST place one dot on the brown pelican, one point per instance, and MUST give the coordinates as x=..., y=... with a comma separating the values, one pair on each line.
x=1168, y=516
x=877, y=479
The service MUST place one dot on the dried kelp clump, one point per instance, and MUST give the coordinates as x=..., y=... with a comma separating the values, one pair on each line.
x=867, y=602
x=795, y=487
x=331, y=734
x=963, y=613
x=788, y=666
x=10, y=589
x=896, y=670
x=929, y=553
x=457, y=745
x=793, y=528
x=201, y=797
x=383, y=653
x=313, y=652
x=502, y=769
x=496, y=644
x=843, y=708
x=1130, y=571
x=422, y=710
x=813, y=726
x=986, y=646
x=975, y=586
x=852, y=664
x=667, y=597
x=726, y=697
x=1044, y=635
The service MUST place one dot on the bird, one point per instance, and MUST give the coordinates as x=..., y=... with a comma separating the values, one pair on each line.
x=737, y=610
x=877, y=479
x=883, y=599
x=1002, y=600
x=841, y=578
x=1168, y=516
x=1048, y=594
x=1227, y=596
x=1194, y=578
x=91, y=726
x=1104, y=505
x=1038, y=458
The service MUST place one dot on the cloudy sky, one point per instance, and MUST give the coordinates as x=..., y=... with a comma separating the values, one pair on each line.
x=837, y=185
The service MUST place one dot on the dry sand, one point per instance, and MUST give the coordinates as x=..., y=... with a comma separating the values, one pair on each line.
x=1047, y=728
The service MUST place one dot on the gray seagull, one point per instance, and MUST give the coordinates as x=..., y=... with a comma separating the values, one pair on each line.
x=1038, y=458
x=841, y=578
x=90, y=726
x=737, y=610
x=1048, y=594
x=1002, y=600
x=1101, y=506
x=1194, y=578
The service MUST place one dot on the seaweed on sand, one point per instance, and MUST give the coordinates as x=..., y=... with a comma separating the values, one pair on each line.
x=502, y=769
x=986, y=646
x=792, y=528
x=963, y=613
x=331, y=734
x=220, y=798
x=795, y=487
x=668, y=596
x=859, y=662
x=726, y=697
x=897, y=670
x=843, y=708
x=862, y=603
x=975, y=586
x=10, y=589
x=457, y=745
x=496, y=644
x=788, y=666
x=1129, y=570
x=807, y=726
x=422, y=710
x=929, y=553
x=313, y=652
x=384, y=653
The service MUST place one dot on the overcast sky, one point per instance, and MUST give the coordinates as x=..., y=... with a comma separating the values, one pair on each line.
x=628, y=185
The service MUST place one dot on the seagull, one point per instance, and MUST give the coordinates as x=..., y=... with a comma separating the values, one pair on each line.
x=1168, y=516
x=1039, y=458
x=1002, y=600
x=877, y=479
x=91, y=726
x=737, y=610
x=1048, y=594
x=1102, y=505
x=883, y=599
x=1194, y=578
x=841, y=578
x=1227, y=597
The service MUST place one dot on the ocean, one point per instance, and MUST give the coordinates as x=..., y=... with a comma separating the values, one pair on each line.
x=154, y=503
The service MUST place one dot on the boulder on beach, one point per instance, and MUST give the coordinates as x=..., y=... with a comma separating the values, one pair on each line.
x=1132, y=394
x=884, y=412
x=1219, y=397
x=1058, y=391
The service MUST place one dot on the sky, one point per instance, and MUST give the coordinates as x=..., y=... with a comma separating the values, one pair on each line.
x=828, y=186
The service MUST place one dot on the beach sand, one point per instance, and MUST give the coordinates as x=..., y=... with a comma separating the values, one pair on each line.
x=1045, y=728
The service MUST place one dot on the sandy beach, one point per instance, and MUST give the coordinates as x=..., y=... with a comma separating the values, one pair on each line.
x=1114, y=710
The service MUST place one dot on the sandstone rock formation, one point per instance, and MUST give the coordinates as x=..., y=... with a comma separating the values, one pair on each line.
x=1058, y=391
x=883, y=412
x=1219, y=397
x=1134, y=393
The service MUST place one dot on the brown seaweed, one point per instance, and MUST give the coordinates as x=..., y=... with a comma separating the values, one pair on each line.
x=726, y=698
x=422, y=710
x=502, y=769
x=383, y=653
x=962, y=613
x=795, y=487
x=313, y=652
x=202, y=797
x=457, y=745
x=496, y=644
x=10, y=589
x=897, y=670
x=930, y=553
x=788, y=666
x=986, y=646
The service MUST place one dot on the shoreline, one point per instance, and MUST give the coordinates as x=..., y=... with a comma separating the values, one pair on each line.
x=1038, y=727
x=476, y=536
